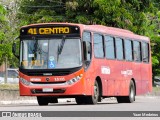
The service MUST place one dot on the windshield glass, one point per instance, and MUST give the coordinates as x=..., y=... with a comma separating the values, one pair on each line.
x=50, y=53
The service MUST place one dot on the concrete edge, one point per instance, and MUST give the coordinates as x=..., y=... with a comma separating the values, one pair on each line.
x=33, y=101
x=66, y=100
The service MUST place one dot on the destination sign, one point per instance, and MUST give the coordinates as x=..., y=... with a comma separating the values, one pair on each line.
x=42, y=31
x=50, y=30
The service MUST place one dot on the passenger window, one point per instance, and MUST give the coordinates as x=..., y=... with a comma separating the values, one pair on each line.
x=137, y=51
x=145, y=52
x=119, y=49
x=98, y=46
x=128, y=50
x=109, y=47
x=87, y=38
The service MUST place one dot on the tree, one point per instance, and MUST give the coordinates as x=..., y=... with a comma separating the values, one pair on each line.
x=4, y=45
x=139, y=16
x=10, y=31
x=154, y=33
x=35, y=11
x=2, y=21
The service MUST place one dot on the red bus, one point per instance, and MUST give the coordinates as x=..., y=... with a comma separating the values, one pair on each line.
x=85, y=62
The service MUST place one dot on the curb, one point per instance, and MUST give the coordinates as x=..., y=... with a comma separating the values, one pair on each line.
x=148, y=96
x=33, y=101
x=66, y=100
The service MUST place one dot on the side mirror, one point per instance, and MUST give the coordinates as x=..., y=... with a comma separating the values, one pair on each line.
x=14, y=50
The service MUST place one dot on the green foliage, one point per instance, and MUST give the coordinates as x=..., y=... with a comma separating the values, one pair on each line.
x=4, y=51
x=6, y=37
x=2, y=12
x=38, y=11
x=139, y=16
x=152, y=31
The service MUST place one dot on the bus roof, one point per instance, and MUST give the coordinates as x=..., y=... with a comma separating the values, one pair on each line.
x=118, y=32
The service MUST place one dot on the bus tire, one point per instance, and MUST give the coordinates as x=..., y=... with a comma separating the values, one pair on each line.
x=42, y=101
x=80, y=100
x=54, y=100
x=120, y=99
x=130, y=98
x=93, y=99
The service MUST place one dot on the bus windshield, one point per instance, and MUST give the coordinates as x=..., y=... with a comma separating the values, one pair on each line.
x=50, y=53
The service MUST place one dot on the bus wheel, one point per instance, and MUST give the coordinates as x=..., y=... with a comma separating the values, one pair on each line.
x=130, y=98
x=54, y=100
x=42, y=101
x=80, y=100
x=93, y=99
x=120, y=99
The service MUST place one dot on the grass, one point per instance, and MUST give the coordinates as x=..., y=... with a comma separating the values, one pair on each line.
x=9, y=86
x=156, y=89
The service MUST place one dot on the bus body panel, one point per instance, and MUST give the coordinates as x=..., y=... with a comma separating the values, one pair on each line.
x=146, y=78
x=115, y=80
x=115, y=75
x=79, y=88
x=137, y=76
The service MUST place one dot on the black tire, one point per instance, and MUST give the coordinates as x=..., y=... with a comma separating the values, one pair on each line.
x=53, y=100
x=42, y=101
x=130, y=98
x=80, y=100
x=93, y=99
x=121, y=99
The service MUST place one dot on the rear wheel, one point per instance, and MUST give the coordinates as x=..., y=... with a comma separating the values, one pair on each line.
x=93, y=99
x=130, y=98
x=120, y=99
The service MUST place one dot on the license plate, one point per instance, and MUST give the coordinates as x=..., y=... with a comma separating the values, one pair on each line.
x=47, y=89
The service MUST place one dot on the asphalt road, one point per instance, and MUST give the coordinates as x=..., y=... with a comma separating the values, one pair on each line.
x=142, y=105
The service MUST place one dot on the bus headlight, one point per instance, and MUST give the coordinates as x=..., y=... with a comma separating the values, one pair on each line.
x=24, y=81
x=75, y=79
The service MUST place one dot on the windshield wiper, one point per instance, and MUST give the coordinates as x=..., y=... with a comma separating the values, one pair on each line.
x=60, y=47
x=37, y=49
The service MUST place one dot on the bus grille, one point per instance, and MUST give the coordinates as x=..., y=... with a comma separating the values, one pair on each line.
x=39, y=91
x=47, y=83
x=52, y=73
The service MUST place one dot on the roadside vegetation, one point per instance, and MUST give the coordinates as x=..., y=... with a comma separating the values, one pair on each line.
x=141, y=17
x=156, y=91
x=9, y=87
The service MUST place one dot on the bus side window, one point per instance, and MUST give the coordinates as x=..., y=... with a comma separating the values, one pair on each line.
x=128, y=50
x=119, y=49
x=137, y=51
x=88, y=43
x=109, y=47
x=98, y=46
x=145, y=52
